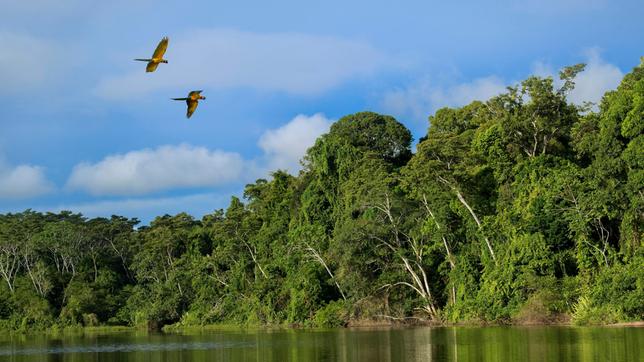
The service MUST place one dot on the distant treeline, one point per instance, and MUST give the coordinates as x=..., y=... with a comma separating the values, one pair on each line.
x=523, y=208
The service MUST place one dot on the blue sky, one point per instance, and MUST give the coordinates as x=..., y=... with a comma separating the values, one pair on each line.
x=83, y=127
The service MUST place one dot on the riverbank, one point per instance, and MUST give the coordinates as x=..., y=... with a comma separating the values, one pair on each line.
x=355, y=324
x=627, y=324
x=561, y=321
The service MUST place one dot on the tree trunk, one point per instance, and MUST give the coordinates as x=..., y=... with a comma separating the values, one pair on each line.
x=316, y=256
x=478, y=222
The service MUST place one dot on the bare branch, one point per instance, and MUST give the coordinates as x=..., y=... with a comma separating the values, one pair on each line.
x=318, y=257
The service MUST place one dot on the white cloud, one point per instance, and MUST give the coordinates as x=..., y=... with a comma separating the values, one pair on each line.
x=591, y=84
x=27, y=62
x=170, y=167
x=543, y=69
x=598, y=78
x=150, y=170
x=22, y=181
x=147, y=208
x=423, y=98
x=462, y=94
x=290, y=62
x=285, y=146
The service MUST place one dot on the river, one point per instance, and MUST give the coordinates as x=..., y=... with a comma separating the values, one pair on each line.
x=383, y=344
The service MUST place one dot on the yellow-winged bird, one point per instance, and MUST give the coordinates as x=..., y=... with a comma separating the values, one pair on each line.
x=192, y=100
x=157, y=57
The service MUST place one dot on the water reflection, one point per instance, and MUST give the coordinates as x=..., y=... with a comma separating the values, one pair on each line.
x=411, y=344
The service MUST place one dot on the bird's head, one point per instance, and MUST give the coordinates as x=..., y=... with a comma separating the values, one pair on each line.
x=164, y=61
x=202, y=97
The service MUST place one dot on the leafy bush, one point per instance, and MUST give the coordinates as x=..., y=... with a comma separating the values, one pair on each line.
x=584, y=313
x=334, y=314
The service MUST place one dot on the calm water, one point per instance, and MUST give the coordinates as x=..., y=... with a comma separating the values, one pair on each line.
x=417, y=344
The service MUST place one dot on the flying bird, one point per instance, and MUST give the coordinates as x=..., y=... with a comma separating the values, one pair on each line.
x=157, y=57
x=192, y=100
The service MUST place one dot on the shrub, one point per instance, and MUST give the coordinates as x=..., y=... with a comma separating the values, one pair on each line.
x=334, y=314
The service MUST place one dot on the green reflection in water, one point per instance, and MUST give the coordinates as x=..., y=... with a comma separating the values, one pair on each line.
x=393, y=344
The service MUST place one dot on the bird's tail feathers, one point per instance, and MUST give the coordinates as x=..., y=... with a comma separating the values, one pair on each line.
x=143, y=60
x=180, y=99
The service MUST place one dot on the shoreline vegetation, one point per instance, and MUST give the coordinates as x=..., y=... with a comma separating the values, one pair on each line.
x=365, y=324
x=521, y=209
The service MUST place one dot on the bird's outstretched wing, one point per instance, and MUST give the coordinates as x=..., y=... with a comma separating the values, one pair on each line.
x=192, y=105
x=152, y=66
x=193, y=93
x=161, y=48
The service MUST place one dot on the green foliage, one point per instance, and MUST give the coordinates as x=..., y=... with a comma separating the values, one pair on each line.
x=584, y=313
x=334, y=314
x=521, y=208
x=621, y=287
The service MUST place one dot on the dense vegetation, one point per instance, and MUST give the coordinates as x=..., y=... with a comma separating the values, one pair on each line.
x=521, y=208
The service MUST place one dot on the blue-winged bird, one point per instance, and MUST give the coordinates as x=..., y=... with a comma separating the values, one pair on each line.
x=157, y=57
x=192, y=100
